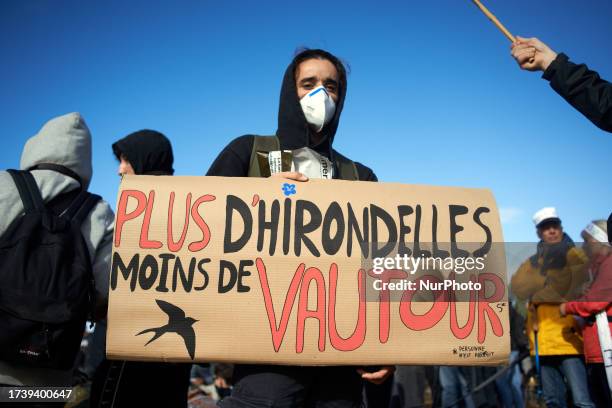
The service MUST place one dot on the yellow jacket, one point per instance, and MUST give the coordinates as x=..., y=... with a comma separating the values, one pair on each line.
x=545, y=291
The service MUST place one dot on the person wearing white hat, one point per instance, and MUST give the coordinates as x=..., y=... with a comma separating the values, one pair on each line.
x=596, y=307
x=548, y=278
x=545, y=214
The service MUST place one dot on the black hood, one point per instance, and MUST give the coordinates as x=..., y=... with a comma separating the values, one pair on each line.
x=293, y=129
x=148, y=151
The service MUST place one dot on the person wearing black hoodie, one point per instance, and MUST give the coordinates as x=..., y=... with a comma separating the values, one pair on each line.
x=301, y=124
x=294, y=131
x=145, y=152
x=581, y=87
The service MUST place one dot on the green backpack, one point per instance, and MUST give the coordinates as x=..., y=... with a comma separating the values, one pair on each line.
x=345, y=166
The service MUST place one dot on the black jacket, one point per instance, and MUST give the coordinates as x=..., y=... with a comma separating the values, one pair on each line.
x=583, y=89
x=293, y=133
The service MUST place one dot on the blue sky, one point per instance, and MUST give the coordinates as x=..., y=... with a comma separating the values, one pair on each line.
x=433, y=97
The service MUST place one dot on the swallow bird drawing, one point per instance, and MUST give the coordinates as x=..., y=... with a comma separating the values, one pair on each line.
x=177, y=323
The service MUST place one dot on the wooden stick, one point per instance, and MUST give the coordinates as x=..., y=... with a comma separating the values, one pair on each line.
x=494, y=20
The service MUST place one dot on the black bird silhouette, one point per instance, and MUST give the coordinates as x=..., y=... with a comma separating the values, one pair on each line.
x=177, y=323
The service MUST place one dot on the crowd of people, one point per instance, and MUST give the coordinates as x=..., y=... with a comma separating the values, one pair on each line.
x=560, y=289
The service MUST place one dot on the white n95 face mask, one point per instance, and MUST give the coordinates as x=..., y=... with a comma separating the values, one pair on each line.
x=318, y=107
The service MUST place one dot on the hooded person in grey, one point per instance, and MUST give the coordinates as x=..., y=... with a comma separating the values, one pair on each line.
x=65, y=141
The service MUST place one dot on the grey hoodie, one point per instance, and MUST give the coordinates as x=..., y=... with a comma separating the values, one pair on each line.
x=63, y=140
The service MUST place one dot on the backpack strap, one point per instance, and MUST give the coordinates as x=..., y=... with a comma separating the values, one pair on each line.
x=58, y=168
x=76, y=212
x=346, y=167
x=261, y=144
x=28, y=190
x=81, y=206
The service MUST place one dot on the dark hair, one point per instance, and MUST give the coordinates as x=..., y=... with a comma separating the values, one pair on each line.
x=302, y=54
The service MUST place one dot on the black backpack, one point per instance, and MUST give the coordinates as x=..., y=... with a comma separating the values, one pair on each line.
x=46, y=279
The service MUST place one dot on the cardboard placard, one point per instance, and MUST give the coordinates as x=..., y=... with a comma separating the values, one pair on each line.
x=259, y=270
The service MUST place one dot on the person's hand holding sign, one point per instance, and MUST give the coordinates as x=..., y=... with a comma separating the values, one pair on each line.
x=376, y=377
x=532, y=54
x=291, y=175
